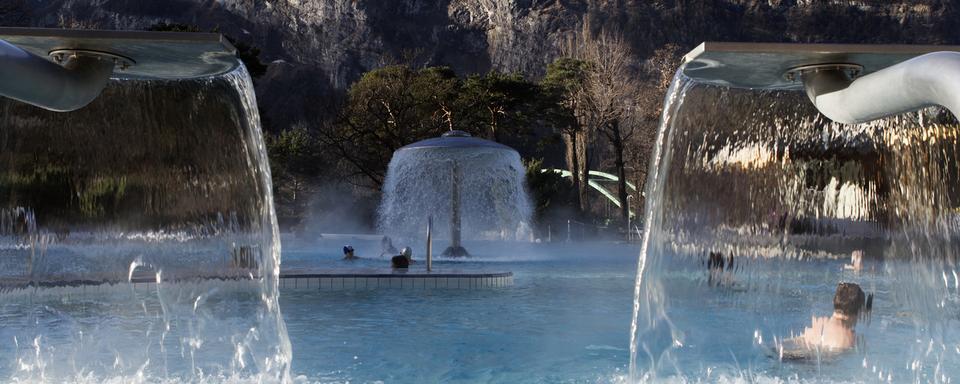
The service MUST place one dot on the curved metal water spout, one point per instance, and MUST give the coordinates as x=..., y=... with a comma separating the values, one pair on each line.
x=924, y=81
x=40, y=82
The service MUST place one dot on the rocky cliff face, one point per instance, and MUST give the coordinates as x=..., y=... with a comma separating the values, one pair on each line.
x=318, y=47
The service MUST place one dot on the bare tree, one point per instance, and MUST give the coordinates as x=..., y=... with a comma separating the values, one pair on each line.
x=565, y=80
x=617, y=98
x=607, y=99
x=386, y=109
x=656, y=75
x=571, y=74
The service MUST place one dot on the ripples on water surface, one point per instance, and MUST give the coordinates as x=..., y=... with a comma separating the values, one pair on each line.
x=565, y=319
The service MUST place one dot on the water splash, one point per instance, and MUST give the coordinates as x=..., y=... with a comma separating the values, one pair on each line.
x=494, y=204
x=147, y=223
x=762, y=178
x=648, y=308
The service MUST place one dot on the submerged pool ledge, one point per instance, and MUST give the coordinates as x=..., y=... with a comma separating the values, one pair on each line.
x=370, y=279
x=290, y=280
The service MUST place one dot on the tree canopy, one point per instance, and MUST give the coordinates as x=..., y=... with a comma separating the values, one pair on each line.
x=396, y=105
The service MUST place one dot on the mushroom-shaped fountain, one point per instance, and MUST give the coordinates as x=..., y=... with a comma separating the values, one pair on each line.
x=473, y=185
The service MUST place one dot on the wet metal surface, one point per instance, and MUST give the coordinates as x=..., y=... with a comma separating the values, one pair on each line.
x=155, y=55
x=763, y=65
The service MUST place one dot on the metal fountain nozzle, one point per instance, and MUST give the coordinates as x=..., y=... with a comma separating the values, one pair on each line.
x=848, y=83
x=64, y=70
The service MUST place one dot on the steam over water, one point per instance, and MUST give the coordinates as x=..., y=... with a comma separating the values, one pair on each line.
x=160, y=193
x=493, y=202
x=762, y=177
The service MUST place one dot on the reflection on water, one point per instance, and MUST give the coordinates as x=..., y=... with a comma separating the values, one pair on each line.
x=761, y=177
x=154, y=181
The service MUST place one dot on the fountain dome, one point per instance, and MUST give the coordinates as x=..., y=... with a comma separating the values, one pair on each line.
x=469, y=186
x=456, y=139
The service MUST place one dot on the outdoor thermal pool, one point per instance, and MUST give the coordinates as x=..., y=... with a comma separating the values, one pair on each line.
x=567, y=319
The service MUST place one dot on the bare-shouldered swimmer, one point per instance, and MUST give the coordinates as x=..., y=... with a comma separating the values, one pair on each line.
x=833, y=334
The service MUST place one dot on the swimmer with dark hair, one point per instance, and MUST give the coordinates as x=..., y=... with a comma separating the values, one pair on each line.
x=716, y=265
x=403, y=260
x=834, y=334
x=348, y=253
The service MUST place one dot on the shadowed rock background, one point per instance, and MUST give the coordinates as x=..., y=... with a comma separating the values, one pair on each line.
x=315, y=49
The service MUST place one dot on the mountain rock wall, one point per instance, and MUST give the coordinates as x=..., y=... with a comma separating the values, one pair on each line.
x=317, y=48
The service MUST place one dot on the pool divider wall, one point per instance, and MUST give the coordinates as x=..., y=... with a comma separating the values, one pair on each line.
x=333, y=282
x=288, y=282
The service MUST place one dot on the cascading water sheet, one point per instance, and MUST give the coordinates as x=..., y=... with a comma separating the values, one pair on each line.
x=493, y=201
x=138, y=240
x=755, y=207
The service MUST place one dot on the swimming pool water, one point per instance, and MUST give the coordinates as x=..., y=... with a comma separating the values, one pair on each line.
x=565, y=319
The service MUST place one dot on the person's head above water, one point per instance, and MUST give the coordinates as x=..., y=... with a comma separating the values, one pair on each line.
x=347, y=249
x=406, y=252
x=848, y=302
x=716, y=261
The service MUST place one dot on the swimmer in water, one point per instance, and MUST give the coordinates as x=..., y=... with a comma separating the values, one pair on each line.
x=832, y=334
x=714, y=267
x=856, y=261
x=403, y=260
x=719, y=270
x=348, y=253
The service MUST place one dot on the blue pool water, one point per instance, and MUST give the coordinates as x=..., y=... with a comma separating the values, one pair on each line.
x=565, y=319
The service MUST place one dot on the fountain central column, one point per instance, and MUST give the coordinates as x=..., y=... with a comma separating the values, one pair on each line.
x=455, y=206
x=478, y=183
x=455, y=249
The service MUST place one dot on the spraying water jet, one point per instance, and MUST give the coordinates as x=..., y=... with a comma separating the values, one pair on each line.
x=474, y=186
x=152, y=207
x=745, y=165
